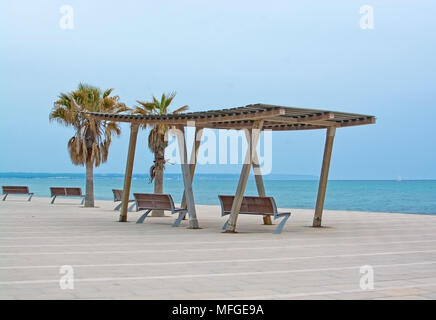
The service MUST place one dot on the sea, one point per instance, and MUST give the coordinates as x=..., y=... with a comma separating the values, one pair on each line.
x=289, y=191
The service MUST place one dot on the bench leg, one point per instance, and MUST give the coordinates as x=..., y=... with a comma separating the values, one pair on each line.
x=142, y=218
x=4, y=198
x=282, y=223
x=52, y=199
x=118, y=206
x=225, y=224
x=30, y=197
x=179, y=219
x=131, y=207
x=83, y=200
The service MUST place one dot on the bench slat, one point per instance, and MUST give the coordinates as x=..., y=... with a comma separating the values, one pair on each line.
x=7, y=190
x=66, y=191
x=250, y=205
x=265, y=206
x=154, y=201
x=118, y=194
x=15, y=189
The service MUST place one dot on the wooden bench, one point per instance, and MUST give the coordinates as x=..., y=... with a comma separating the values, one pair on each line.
x=264, y=206
x=153, y=201
x=7, y=190
x=118, y=196
x=66, y=192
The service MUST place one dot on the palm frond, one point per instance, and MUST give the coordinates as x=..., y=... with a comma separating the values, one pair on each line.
x=92, y=138
x=107, y=92
x=181, y=109
x=169, y=97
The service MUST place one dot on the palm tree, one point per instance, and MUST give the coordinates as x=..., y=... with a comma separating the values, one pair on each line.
x=90, y=144
x=156, y=138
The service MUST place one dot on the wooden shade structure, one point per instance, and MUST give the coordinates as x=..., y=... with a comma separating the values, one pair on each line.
x=254, y=118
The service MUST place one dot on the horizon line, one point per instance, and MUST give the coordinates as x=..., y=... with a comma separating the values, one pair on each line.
x=222, y=173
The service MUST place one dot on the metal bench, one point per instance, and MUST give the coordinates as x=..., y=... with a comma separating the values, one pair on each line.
x=7, y=190
x=153, y=201
x=264, y=206
x=66, y=192
x=118, y=196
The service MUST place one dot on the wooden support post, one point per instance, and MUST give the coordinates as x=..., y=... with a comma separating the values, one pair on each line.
x=193, y=222
x=236, y=206
x=193, y=159
x=324, y=176
x=258, y=178
x=128, y=174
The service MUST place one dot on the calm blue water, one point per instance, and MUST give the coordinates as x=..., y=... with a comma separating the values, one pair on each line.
x=410, y=196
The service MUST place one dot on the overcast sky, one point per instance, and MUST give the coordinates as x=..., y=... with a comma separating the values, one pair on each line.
x=220, y=54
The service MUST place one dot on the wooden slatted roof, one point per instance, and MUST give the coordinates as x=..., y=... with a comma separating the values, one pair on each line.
x=275, y=118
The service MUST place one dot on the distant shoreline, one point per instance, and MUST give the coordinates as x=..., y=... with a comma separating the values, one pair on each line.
x=275, y=176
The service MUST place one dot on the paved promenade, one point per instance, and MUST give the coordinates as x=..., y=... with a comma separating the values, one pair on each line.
x=113, y=260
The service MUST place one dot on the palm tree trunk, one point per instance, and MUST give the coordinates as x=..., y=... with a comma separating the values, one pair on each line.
x=158, y=180
x=89, y=196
